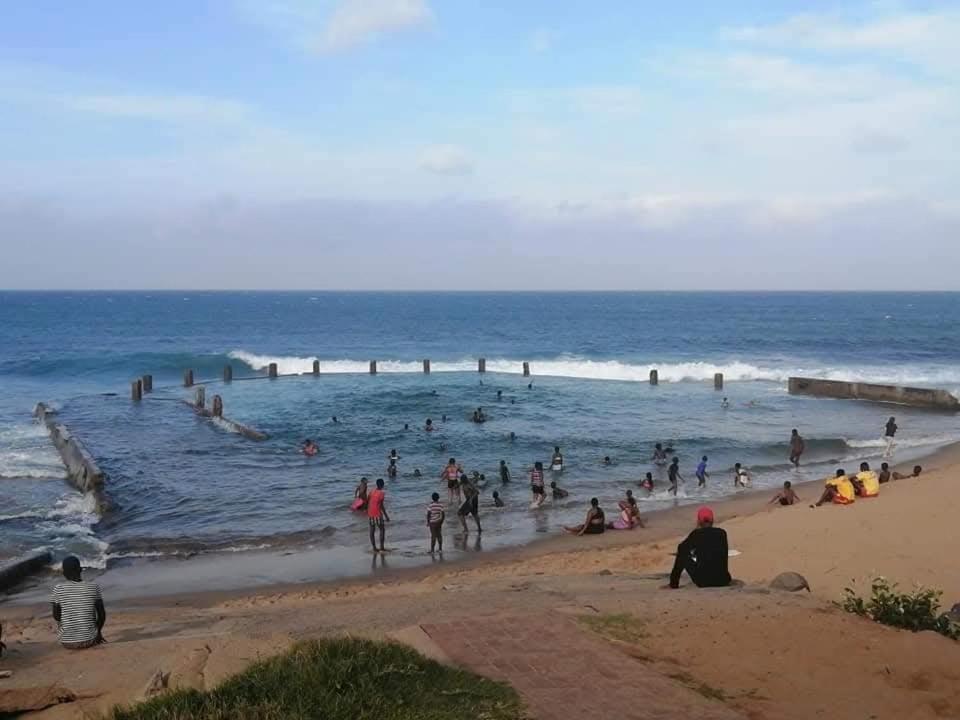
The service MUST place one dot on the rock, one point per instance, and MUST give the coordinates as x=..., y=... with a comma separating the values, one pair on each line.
x=605, y=572
x=790, y=582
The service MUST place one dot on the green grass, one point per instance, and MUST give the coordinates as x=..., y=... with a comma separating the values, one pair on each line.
x=620, y=627
x=341, y=679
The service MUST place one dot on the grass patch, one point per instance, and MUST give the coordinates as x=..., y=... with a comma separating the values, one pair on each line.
x=341, y=679
x=621, y=627
x=916, y=611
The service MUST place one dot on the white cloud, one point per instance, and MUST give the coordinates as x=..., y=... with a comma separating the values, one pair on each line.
x=446, y=160
x=927, y=39
x=542, y=39
x=316, y=27
x=189, y=108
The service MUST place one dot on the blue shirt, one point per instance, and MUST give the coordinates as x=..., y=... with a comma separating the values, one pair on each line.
x=701, y=468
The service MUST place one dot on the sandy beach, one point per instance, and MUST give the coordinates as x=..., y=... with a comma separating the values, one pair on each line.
x=766, y=654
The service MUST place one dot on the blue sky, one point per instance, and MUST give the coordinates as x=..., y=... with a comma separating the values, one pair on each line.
x=446, y=143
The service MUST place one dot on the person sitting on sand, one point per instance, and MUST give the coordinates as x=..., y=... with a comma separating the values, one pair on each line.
x=839, y=490
x=536, y=484
x=884, y=476
x=377, y=515
x=741, y=476
x=647, y=482
x=866, y=484
x=629, y=517
x=623, y=504
x=916, y=473
x=78, y=609
x=703, y=554
x=558, y=493
x=470, y=505
x=497, y=502
x=451, y=474
x=309, y=448
x=360, y=494
x=594, y=523
x=787, y=496
x=504, y=472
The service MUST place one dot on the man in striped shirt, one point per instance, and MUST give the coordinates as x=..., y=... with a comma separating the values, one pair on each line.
x=435, y=517
x=77, y=608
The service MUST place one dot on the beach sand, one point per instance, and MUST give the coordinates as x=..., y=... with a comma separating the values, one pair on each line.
x=761, y=654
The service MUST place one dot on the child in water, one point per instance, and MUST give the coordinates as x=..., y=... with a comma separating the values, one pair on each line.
x=309, y=448
x=497, y=502
x=558, y=492
x=647, y=482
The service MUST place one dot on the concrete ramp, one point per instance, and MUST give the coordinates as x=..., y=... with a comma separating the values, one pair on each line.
x=914, y=397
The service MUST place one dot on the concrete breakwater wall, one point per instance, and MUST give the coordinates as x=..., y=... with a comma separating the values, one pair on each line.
x=215, y=413
x=14, y=571
x=82, y=470
x=914, y=397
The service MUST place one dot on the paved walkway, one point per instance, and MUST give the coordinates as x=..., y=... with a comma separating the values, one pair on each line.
x=565, y=672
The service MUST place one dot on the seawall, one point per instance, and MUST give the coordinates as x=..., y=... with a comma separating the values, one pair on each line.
x=82, y=470
x=914, y=397
x=14, y=571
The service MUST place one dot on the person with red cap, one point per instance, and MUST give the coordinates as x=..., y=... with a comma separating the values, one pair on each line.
x=703, y=554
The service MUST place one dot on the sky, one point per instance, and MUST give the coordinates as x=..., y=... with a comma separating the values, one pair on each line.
x=453, y=144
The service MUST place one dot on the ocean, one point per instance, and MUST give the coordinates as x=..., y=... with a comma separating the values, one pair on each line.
x=182, y=487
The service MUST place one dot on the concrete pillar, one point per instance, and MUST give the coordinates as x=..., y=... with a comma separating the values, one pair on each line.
x=373, y=367
x=188, y=378
x=482, y=365
x=201, y=401
x=136, y=390
x=316, y=367
x=426, y=367
x=718, y=381
x=228, y=373
x=654, y=377
x=217, y=406
x=147, y=383
x=272, y=370
x=526, y=369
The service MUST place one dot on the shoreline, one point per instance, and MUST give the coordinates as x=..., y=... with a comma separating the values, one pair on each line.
x=662, y=525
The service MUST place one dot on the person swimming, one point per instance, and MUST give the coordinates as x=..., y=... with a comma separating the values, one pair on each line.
x=309, y=448
x=606, y=461
x=499, y=395
x=417, y=473
x=725, y=404
x=429, y=426
x=558, y=492
x=659, y=456
x=647, y=482
x=556, y=461
x=334, y=420
x=513, y=436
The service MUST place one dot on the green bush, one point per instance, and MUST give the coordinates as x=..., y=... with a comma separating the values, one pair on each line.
x=916, y=611
x=342, y=679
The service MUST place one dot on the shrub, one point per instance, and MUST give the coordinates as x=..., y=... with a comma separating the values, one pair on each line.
x=916, y=611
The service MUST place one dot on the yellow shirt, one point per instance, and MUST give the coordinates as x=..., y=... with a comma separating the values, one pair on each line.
x=871, y=483
x=844, y=488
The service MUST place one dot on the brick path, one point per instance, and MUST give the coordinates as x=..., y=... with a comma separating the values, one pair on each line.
x=564, y=672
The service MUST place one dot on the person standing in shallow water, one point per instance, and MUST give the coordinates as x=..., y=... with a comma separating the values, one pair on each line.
x=673, y=473
x=888, y=434
x=504, y=472
x=377, y=515
x=797, y=446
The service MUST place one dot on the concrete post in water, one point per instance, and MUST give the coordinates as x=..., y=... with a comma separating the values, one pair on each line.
x=718, y=381
x=426, y=367
x=201, y=397
x=272, y=370
x=526, y=369
x=654, y=377
x=316, y=367
x=147, y=383
x=228, y=373
x=482, y=365
x=373, y=367
x=217, y=406
x=136, y=390
x=188, y=378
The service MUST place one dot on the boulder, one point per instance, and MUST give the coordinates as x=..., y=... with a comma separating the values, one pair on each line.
x=790, y=582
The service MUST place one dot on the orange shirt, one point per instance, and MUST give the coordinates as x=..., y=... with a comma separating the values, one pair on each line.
x=375, y=503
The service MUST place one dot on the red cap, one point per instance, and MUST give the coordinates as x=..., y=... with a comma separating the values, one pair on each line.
x=704, y=515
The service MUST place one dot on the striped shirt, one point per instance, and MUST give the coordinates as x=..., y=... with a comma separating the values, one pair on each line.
x=536, y=477
x=78, y=613
x=434, y=512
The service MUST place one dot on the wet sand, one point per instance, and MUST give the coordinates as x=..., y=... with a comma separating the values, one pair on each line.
x=773, y=655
